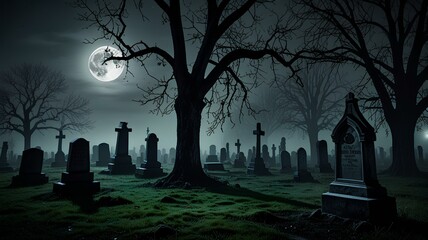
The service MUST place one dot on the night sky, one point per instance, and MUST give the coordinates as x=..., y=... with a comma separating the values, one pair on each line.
x=49, y=33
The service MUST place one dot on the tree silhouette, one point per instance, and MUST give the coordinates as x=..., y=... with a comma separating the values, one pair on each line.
x=314, y=106
x=217, y=49
x=33, y=101
x=388, y=40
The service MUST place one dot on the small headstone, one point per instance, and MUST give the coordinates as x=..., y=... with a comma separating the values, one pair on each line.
x=212, y=163
x=122, y=163
x=302, y=174
x=30, y=171
x=152, y=167
x=266, y=156
x=77, y=179
x=227, y=153
x=355, y=192
x=322, y=152
x=258, y=166
x=59, y=155
x=103, y=155
x=285, y=162
x=250, y=155
x=239, y=158
x=273, y=158
x=4, y=165
x=212, y=157
x=223, y=155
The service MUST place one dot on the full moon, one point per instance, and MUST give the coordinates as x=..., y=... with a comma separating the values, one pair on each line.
x=107, y=71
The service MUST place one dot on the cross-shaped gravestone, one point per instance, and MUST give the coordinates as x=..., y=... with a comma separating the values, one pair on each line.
x=258, y=132
x=59, y=156
x=122, y=143
x=60, y=137
x=238, y=147
x=122, y=163
x=273, y=151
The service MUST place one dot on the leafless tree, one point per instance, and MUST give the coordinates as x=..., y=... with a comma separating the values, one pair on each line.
x=388, y=40
x=314, y=106
x=228, y=40
x=34, y=101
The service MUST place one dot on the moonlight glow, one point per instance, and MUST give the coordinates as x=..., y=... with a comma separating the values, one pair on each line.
x=108, y=71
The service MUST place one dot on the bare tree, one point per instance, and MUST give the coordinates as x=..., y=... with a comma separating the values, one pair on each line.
x=388, y=39
x=228, y=45
x=33, y=101
x=314, y=106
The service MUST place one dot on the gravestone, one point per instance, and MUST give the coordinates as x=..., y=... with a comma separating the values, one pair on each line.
x=239, y=158
x=273, y=159
x=265, y=155
x=77, y=179
x=104, y=157
x=355, y=192
x=322, y=153
x=420, y=154
x=59, y=155
x=227, y=153
x=250, y=155
x=293, y=157
x=30, y=170
x=223, y=155
x=151, y=168
x=122, y=163
x=4, y=165
x=95, y=153
x=171, y=155
x=258, y=166
x=285, y=162
x=212, y=163
x=302, y=174
x=282, y=145
x=212, y=157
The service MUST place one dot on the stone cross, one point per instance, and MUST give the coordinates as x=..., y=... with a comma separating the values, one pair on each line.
x=122, y=143
x=238, y=147
x=258, y=132
x=60, y=137
x=273, y=151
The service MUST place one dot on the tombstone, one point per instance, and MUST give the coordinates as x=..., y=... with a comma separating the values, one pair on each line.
x=227, y=153
x=293, y=156
x=355, y=192
x=302, y=174
x=265, y=155
x=77, y=179
x=212, y=163
x=322, y=153
x=223, y=155
x=151, y=168
x=273, y=158
x=285, y=162
x=30, y=170
x=171, y=155
x=59, y=155
x=239, y=158
x=95, y=153
x=4, y=165
x=103, y=155
x=282, y=145
x=122, y=163
x=420, y=154
x=250, y=155
x=258, y=166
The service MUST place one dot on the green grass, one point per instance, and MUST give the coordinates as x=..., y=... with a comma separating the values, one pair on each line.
x=247, y=212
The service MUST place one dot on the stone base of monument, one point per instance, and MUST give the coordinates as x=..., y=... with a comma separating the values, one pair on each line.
x=359, y=201
x=59, y=164
x=5, y=169
x=122, y=165
x=212, y=166
x=258, y=168
x=76, y=183
x=149, y=173
x=239, y=163
x=29, y=180
x=303, y=176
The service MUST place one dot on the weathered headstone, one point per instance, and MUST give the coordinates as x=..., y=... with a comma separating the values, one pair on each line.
x=151, y=168
x=212, y=157
x=302, y=174
x=77, y=179
x=212, y=163
x=59, y=155
x=355, y=192
x=30, y=170
x=322, y=152
x=103, y=155
x=285, y=162
x=239, y=158
x=4, y=165
x=122, y=163
x=420, y=154
x=258, y=166
x=227, y=153
x=273, y=158
x=293, y=157
x=223, y=155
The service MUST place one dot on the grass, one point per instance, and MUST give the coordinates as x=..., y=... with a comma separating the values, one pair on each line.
x=265, y=207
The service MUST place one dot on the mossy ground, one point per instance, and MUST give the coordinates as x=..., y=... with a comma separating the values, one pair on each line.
x=268, y=207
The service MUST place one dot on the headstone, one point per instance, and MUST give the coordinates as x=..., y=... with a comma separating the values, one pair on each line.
x=239, y=158
x=122, y=163
x=227, y=153
x=4, y=165
x=355, y=192
x=293, y=157
x=273, y=159
x=30, y=170
x=322, y=152
x=223, y=155
x=59, y=155
x=420, y=154
x=95, y=153
x=152, y=167
x=212, y=163
x=250, y=155
x=266, y=156
x=103, y=155
x=302, y=174
x=282, y=145
x=77, y=179
x=171, y=155
x=258, y=166
x=212, y=157
x=285, y=162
